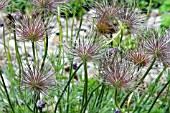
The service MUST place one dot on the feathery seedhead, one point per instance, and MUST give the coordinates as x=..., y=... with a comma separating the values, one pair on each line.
x=139, y=57
x=47, y=5
x=43, y=4
x=38, y=81
x=106, y=18
x=87, y=49
x=119, y=73
x=106, y=11
x=3, y=4
x=158, y=46
x=131, y=20
x=30, y=29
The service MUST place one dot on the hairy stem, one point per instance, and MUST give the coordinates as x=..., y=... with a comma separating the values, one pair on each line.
x=85, y=92
x=116, y=103
x=34, y=56
x=46, y=50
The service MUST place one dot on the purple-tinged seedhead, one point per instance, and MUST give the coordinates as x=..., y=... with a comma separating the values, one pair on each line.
x=86, y=49
x=131, y=20
x=38, y=81
x=139, y=57
x=119, y=73
x=30, y=29
x=158, y=46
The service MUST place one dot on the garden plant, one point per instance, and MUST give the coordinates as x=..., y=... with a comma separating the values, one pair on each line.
x=105, y=70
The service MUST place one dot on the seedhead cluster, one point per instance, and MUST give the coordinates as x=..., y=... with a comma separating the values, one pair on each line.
x=120, y=49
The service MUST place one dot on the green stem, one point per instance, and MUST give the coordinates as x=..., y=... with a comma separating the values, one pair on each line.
x=66, y=87
x=158, y=96
x=7, y=53
x=155, y=83
x=141, y=80
x=117, y=34
x=68, y=90
x=147, y=71
x=46, y=40
x=18, y=57
x=26, y=54
x=6, y=91
x=85, y=92
x=33, y=50
x=149, y=8
x=100, y=96
x=116, y=103
x=46, y=50
x=72, y=29
x=91, y=94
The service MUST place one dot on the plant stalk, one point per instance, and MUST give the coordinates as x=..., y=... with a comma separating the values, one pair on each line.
x=116, y=103
x=85, y=92
x=158, y=96
x=6, y=91
x=65, y=88
x=145, y=74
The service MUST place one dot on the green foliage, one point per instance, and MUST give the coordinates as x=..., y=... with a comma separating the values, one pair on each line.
x=100, y=94
x=19, y=5
x=164, y=9
x=80, y=7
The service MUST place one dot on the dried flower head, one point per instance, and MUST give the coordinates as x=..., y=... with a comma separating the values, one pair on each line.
x=30, y=29
x=131, y=20
x=107, y=11
x=158, y=46
x=119, y=73
x=47, y=5
x=87, y=49
x=138, y=57
x=3, y=4
x=106, y=18
x=38, y=81
x=103, y=27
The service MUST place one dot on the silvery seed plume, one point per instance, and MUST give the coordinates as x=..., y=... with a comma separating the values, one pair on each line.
x=131, y=20
x=48, y=5
x=139, y=57
x=86, y=48
x=38, y=81
x=119, y=73
x=106, y=18
x=30, y=29
x=157, y=45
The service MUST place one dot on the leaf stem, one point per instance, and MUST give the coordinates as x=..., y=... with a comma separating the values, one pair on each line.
x=55, y=110
x=116, y=103
x=158, y=96
x=6, y=91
